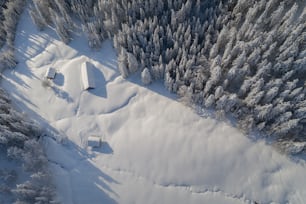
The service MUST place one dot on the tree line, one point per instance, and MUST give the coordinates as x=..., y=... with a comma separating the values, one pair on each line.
x=10, y=12
x=19, y=142
x=19, y=136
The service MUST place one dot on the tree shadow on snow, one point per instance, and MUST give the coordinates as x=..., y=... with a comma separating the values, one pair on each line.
x=25, y=50
x=105, y=55
x=92, y=185
x=82, y=178
x=62, y=94
x=86, y=182
x=13, y=74
x=156, y=86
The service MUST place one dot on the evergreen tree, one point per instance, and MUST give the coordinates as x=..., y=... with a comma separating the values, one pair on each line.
x=146, y=76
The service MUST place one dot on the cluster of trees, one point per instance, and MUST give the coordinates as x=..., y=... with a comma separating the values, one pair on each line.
x=19, y=136
x=19, y=141
x=44, y=13
x=9, y=17
x=262, y=63
x=246, y=58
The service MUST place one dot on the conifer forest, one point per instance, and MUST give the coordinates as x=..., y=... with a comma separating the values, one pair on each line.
x=242, y=59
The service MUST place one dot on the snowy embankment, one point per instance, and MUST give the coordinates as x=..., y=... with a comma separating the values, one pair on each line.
x=156, y=150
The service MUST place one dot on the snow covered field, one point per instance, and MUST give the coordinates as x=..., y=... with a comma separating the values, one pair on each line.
x=156, y=150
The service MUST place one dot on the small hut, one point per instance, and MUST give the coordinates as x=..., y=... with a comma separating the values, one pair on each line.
x=88, y=78
x=94, y=141
x=50, y=74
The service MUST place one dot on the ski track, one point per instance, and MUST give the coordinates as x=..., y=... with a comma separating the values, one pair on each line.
x=196, y=190
x=111, y=111
x=122, y=106
x=203, y=191
x=77, y=109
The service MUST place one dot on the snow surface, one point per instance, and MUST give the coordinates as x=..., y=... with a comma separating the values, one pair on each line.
x=155, y=149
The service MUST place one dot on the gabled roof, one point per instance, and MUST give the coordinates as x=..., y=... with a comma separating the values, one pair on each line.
x=94, y=141
x=87, y=75
x=50, y=74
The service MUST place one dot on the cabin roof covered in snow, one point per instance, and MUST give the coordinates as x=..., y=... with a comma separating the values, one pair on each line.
x=50, y=74
x=94, y=141
x=88, y=78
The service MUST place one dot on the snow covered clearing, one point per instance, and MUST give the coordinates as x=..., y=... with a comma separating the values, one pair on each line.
x=154, y=150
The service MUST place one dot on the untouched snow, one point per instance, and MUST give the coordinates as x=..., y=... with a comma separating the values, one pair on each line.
x=155, y=149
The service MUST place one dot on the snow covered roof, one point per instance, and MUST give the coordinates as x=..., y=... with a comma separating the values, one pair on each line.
x=88, y=78
x=50, y=74
x=94, y=141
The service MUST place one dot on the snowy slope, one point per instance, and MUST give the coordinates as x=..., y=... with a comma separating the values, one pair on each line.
x=156, y=150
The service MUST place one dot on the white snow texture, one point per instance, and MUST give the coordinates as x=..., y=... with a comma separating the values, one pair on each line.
x=154, y=150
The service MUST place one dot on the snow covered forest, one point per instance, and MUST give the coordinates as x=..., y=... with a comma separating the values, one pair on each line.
x=245, y=59
x=9, y=16
x=24, y=174
x=242, y=58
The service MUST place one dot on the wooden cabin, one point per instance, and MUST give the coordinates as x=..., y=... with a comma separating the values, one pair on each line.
x=50, y=74
x=94, y=141
x=88, y=78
